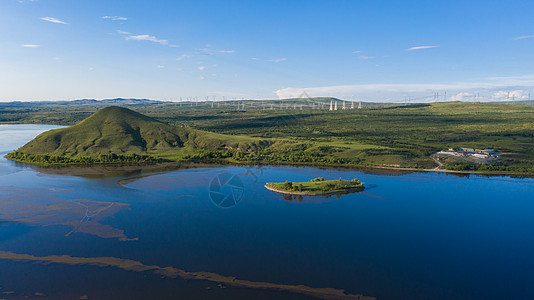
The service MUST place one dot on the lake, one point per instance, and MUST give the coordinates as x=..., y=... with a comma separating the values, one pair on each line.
x=218, y=233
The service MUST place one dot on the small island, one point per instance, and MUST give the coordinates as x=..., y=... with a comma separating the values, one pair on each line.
x=316, y=187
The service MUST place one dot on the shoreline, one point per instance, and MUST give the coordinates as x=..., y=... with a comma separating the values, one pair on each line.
x=456, y=172
x=313, y=194
x=77, y=169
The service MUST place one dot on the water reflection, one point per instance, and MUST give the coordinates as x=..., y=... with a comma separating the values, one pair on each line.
x=303, y=199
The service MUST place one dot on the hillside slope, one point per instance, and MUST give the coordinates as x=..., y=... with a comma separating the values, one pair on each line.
x=120, y=130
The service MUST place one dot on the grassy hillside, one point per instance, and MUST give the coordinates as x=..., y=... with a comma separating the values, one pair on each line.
x=123, y=132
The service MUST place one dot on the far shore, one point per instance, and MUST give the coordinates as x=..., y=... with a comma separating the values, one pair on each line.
x=98, y=169
x=497, y=173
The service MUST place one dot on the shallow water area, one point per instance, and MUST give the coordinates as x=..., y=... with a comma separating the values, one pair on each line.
x=165, y=234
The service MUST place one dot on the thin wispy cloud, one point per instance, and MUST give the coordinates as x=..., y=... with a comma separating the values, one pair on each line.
x=115, y=18
x=123, y=32
x=160, y=66
x=53, y=20
x=274, y=60
x=204, y=52
x=201, y=68
x=146, y=37
x=523, y=37
x=421, y=48
x=207, y=51
x=365, y=57
x=356, y=52
x=30, y=46
x=183, y=56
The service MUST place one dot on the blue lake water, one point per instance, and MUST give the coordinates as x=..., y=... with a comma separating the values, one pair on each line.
x=407, y=236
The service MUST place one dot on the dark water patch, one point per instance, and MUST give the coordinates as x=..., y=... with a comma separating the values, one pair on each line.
x=42, y=208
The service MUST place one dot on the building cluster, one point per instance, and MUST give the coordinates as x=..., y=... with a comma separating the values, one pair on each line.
x=471, y=152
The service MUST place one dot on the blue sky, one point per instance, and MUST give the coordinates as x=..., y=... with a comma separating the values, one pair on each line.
x=171, y=50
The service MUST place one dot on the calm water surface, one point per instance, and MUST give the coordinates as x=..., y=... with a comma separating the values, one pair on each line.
x=412, y=236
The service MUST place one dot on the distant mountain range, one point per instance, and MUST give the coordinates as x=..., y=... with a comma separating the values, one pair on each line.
x=133, y=101
x=324, y=102
x=106, y=102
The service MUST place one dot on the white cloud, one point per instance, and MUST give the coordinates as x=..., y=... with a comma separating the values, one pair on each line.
x=53, y=20
x=115, y=18
x=523, y=37
x=421, y=47
x=227, y=51
x=462, y=96
x=365, y=57
x=255, y=58
x=146, y=37
x=491, y=88
x=356, y=52
x=201, y=68
x=509, y=95
x=30, y=46
x=160, y=66
x=122, y=32
x=56, y=58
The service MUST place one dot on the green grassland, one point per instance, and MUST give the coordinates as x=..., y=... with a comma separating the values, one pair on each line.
x=317, y=186
x=375, y=136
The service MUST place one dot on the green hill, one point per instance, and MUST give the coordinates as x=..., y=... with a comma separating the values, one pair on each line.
x=123, y=132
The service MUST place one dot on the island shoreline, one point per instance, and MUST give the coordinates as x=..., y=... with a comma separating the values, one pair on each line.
x=314, y=194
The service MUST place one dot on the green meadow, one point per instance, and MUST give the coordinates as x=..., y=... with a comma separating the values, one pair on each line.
x=377, y=135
